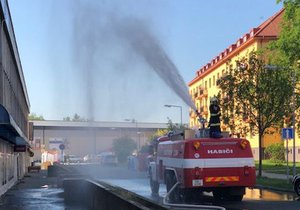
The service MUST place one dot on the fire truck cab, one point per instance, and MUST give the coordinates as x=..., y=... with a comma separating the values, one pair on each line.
x=223, y=166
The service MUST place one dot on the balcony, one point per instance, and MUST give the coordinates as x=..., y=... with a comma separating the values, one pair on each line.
x=193, y=114
x=195, y=95
x=201, y=92
x=205, y=92
x=205, y=111
x=201, y=109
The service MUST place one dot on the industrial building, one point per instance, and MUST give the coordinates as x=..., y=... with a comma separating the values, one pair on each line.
x=84, y=138
x=14, y=107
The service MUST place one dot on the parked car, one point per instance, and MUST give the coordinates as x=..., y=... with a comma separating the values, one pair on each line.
x=73, y=159
x=108, y=159
x=91, y=158
x=296, y=183
x=36, y=163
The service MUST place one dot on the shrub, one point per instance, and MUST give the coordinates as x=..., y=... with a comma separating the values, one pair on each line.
x=123, y=147
x=276, y=153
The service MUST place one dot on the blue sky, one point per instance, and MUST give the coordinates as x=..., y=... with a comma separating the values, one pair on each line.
x=73, y=64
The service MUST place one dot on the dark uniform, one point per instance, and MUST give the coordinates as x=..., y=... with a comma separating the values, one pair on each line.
x=214, y=121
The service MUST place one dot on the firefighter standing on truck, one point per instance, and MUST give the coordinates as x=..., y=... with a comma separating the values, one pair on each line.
x=214, y=121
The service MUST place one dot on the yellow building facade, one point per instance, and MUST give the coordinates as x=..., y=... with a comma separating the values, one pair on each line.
x=204, y=85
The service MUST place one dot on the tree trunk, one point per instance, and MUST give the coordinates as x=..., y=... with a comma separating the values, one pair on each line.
x=260, y=153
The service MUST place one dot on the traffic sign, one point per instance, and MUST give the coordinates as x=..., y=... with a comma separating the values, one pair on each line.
x=287, y=133
x=61, y=146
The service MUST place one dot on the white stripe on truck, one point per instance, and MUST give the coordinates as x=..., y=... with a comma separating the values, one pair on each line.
x=207, y=163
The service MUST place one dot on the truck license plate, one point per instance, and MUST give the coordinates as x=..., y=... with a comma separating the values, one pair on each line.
x=197, y=182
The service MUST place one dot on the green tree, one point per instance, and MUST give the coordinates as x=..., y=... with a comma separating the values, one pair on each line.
x=67, y=119
x=175, y=127
x=287, y=46
x=254, y=96
x=123, y=147
x=76, y=118
x=163, y=132
x=158, y=133
x=285, y=51
x=34, y=116
x=276, y=152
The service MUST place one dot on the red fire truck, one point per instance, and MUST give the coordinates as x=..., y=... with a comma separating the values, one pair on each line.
x=223, y=166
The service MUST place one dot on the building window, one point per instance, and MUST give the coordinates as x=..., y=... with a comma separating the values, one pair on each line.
x=209, y=83
x=205, y=84
x=214, y=80
x=218, y=75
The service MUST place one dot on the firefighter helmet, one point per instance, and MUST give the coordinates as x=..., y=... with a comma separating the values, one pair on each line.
x=213, y=99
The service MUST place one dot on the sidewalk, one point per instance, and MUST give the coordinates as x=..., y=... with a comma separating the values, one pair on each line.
x=276, y=176
x=35, y=191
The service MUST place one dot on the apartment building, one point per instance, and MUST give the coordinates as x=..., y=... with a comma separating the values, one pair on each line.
x=204, y=85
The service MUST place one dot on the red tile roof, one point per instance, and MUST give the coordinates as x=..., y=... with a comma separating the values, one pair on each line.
x=269, y=29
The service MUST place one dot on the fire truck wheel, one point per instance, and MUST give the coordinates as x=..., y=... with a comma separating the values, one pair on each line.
x=192, y=195
x=170, y=181
x=176, y=195
x=154, y=186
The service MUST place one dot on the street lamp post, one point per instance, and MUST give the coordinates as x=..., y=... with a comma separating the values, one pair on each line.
x=293, y=121
x=294, y=109
x=168, y=105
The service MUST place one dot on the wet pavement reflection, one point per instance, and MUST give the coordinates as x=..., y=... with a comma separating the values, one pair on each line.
x=263, y=194
x=43, y=198
x=36, y=191
x=141, y=187
x=254, y=199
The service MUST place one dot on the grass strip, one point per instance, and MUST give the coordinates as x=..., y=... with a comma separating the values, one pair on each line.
x=280, y=184
x=271, y=167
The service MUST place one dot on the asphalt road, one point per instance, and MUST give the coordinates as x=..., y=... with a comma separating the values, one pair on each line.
x=255, y=199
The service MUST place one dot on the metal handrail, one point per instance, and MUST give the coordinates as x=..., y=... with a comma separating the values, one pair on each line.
x=166, y=198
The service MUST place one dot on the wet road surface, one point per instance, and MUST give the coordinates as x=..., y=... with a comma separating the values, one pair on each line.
x=33, y=199
x=254, y=199
x=34, y=191
x=37, y=191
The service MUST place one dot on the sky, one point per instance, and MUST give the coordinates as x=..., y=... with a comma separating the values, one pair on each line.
x=111, y=60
